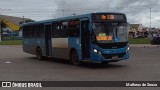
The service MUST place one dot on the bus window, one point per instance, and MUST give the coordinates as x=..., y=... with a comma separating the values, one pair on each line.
x=26, y=32
x=41, y=30
x=35, y=29
x=38, y=31
x=74, y=28
x=55, y=30
x=30, y=30
x=64, y=29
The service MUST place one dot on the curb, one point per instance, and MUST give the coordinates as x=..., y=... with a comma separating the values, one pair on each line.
x=144, y=45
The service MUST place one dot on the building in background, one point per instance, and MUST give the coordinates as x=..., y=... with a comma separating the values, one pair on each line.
x=10, y=25
x=137, y=31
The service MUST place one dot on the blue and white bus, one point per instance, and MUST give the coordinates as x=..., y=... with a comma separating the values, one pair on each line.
x=94, y=37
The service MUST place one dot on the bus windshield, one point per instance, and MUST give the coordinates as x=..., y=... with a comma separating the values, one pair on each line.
x=110, y=32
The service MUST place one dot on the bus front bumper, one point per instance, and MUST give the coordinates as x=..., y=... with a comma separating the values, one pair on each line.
x=104, y=57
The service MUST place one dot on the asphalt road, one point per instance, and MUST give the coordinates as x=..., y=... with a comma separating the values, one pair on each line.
x=143, y=65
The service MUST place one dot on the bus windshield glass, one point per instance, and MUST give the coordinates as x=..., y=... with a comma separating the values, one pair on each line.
x=110, y=32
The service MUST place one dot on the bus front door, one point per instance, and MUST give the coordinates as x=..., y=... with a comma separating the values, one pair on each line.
x=85, y=40
x=48, y=36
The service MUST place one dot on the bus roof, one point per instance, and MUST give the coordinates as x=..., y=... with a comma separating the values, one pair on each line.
x=69, y=17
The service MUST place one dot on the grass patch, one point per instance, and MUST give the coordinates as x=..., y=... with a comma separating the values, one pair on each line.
x=11, y=42
x=131, y=41
x=139, y=41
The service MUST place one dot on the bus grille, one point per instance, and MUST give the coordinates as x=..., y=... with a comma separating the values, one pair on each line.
x=112, y=45
x=110, y=56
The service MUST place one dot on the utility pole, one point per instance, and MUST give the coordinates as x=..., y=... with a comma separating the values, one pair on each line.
x=23, y=20
x=150, y=19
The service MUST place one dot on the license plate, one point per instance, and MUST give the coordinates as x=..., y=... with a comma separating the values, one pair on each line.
x=114, y=57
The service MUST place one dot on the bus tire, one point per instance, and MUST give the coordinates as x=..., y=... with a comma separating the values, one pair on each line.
x=39, y=54
x=74, y=58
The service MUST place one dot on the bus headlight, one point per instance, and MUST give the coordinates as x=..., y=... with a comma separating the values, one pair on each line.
x=127, y=50
x=97, y=52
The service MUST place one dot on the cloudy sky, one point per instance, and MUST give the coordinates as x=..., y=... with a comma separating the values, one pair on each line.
x=137, y=11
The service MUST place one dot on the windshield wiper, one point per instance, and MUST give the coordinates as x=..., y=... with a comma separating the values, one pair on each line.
x=116, y=31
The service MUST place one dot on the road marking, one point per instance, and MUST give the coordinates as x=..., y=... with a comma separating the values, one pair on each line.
x=8, y=62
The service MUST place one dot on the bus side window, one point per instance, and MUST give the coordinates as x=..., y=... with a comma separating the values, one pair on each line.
x=74, y=28
x=40, y=32
x=35, y=31
x=55, y=30
x=26, y=32
x=30, y=32
x=64, y=29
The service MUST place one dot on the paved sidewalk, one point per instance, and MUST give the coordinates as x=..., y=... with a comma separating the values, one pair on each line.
x=144, y=45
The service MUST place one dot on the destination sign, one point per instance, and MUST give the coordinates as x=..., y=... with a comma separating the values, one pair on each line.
x=109, y=17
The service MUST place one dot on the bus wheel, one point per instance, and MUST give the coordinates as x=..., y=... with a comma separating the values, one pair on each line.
x=39, y=54
x=74, y=58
